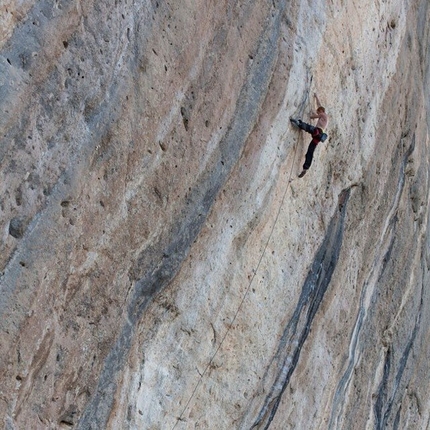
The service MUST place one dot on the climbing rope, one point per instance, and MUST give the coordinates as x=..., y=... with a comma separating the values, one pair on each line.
x=300, y=110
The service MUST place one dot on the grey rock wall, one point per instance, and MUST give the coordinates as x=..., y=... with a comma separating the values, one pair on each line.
x=162, y=266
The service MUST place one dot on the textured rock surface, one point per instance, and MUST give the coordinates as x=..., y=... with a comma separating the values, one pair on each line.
x=158, y=268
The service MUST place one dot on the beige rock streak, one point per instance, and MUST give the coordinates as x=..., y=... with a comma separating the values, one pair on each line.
x=161, y=264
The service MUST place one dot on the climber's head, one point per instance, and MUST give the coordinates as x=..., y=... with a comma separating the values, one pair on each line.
x=320, y=109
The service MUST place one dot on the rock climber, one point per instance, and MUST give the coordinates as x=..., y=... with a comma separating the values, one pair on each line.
x=317, y=132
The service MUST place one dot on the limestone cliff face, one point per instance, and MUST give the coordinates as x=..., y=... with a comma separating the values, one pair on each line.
x=162, y=266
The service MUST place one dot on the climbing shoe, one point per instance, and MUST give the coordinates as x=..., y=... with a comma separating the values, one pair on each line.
x=303, y=173
x=296, y=122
